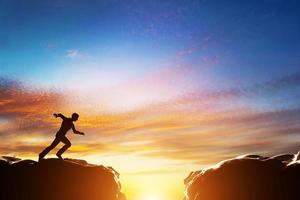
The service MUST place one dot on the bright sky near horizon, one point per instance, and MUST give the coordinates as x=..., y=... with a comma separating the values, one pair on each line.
x=163, y=88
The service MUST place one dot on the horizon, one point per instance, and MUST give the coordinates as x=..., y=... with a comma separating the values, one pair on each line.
x=162, y=88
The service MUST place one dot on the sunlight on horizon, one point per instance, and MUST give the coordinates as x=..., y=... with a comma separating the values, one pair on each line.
x=153, y=186
x=152, y=198
x=136, y=183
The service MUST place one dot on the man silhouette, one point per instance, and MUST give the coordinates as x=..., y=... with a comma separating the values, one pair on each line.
x=66, y=125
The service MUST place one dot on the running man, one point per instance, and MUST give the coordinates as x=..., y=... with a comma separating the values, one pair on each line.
x=66, y=125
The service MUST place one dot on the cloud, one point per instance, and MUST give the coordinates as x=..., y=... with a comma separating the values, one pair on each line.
x=217, y=137
x=23, y=148
x=74, y=53
x=199, y=126
x=27, y=108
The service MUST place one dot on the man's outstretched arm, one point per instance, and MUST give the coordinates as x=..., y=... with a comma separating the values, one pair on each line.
x=59, y=115
x=76, y=132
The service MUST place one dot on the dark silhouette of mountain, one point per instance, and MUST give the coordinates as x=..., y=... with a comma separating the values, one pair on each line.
x=251, y=177
x=56, y=179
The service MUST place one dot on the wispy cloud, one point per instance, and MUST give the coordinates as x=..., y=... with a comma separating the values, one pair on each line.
x=27, y=108
x=201, y=126
x=73, y=53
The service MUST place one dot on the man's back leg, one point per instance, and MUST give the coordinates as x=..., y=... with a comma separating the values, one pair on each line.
x=49, y=148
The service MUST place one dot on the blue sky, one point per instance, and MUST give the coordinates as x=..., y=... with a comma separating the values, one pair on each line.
x=248, y=36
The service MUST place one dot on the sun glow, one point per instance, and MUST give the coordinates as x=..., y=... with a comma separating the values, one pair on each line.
x=152, y=198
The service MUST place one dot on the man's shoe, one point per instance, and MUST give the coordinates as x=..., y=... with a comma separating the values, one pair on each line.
x=40, y=158
x=59, y=156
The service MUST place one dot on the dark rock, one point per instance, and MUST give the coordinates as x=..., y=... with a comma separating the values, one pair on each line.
x=247, y=178
x=54, y=179
x=285, y=157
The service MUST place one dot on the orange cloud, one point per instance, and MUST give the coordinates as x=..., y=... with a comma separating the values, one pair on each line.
x=192, y=126
x=27, y=108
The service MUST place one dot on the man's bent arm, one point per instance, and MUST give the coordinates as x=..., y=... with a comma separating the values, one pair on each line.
x=76, y=132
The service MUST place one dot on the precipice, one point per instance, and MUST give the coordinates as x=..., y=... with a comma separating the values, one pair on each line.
x=54, y=179
x=251, y=177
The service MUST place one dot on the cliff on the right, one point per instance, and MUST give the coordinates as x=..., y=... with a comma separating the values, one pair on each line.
x=250, y=177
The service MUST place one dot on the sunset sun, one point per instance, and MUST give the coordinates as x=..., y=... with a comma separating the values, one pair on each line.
x=152, y=198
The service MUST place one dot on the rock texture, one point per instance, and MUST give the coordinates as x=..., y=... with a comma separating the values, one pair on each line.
x=54, y=179
x=250, y=177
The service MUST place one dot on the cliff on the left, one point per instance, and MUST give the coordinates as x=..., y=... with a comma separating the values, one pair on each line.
x=54, y=179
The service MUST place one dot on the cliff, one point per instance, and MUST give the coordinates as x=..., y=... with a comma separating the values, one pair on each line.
x=54, y=179
x=251, y=177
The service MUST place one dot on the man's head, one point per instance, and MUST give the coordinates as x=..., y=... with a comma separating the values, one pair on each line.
x=75, y=116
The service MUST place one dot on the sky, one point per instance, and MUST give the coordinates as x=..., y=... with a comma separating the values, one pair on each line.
x=163, y=88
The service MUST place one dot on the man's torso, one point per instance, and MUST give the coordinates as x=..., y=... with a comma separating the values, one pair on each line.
x=66, y=125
